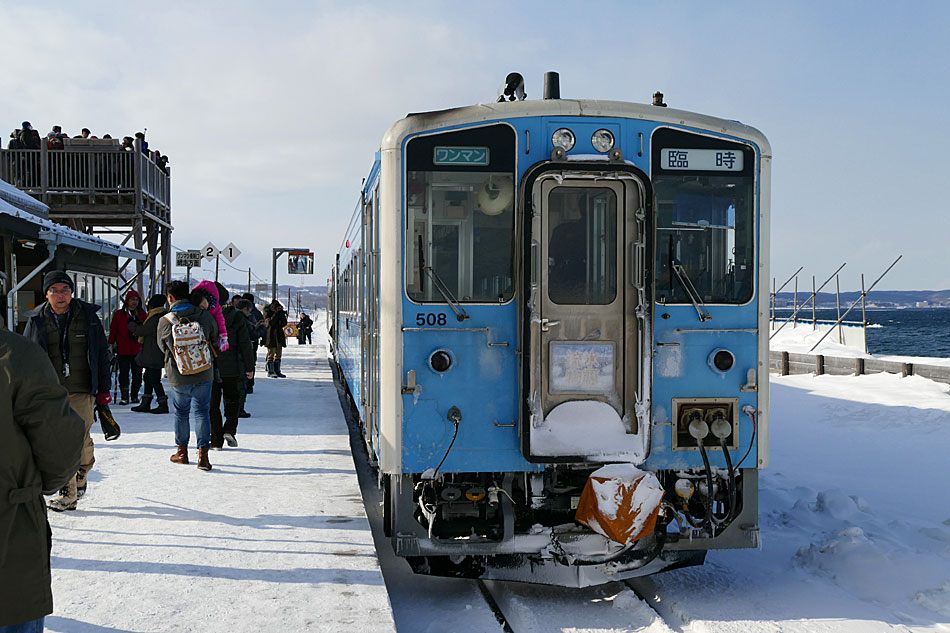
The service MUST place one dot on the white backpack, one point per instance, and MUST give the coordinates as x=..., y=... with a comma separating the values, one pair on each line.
x=191, y=351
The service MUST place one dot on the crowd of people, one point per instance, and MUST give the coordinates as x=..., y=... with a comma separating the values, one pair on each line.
x=26, y=137
x=204, y=339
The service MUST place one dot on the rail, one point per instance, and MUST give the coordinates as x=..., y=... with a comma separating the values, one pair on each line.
x=88, y=169
x=789, y=363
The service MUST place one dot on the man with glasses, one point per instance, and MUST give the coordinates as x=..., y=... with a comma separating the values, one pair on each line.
x=71, y=334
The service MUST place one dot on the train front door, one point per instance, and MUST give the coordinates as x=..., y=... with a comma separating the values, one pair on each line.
x=585, y=339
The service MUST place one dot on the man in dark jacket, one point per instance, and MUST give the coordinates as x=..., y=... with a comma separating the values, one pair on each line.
x=305, y=329
x=71, y=334
x=150, y=358
x=188, y=391
x=258, y=332
x=276, y=320
x=127, y=345
x=41, y=440
x=232, y=364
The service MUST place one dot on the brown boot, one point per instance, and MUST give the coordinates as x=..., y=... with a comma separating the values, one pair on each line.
x=181, y=457
x=203, y=463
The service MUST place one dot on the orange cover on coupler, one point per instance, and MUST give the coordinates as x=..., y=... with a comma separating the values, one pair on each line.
x=620, y=502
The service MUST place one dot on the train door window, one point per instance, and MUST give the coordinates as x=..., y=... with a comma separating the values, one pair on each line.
x=582, y=246
x=460, y=210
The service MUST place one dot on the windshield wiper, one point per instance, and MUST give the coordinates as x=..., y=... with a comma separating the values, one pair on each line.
x=691, y=292
x=460, y=313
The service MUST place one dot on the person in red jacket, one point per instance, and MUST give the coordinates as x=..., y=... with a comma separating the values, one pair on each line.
x=127, y=345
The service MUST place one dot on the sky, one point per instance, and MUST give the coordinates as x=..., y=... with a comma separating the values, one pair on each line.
x=271, y=112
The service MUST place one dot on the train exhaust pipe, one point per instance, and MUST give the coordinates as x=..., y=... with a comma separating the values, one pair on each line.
x=552, y=85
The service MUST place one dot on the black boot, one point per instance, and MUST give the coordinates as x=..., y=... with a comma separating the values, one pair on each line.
x=277, y=370
x=144, y=407
x=124, y=398
x=162, y=405
x=271, y=372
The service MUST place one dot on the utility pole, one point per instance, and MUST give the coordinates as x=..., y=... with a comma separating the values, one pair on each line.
x=217, y=262
x=248, y=278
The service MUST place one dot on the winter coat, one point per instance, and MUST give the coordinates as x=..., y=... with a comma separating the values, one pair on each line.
x=276, y=322
x=119, y=330
x=98, y=356
x=239, y=357
x=150, y=356
x=185, y=310
x=257, y=322
x=41, y=439
x=30, y=139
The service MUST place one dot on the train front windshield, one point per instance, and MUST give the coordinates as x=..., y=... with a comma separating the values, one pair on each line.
x=460, y=209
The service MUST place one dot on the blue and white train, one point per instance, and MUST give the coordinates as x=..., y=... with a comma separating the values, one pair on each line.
x=529, y=290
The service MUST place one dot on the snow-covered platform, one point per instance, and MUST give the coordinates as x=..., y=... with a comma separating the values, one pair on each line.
x=274, y=538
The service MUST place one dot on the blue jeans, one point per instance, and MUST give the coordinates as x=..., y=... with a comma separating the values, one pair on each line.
x=34, y=626
x=195, y=399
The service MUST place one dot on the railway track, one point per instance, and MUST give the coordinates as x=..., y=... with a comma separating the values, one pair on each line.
x=511, y=607
x=617, y=608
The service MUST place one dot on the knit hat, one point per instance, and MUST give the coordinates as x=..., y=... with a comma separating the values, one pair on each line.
x=56, y=277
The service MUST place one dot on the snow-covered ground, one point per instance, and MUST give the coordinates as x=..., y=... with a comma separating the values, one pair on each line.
x=855, y=516
x=274, y=538
x=854, y=510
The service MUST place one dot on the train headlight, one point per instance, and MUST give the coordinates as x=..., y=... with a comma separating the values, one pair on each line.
x=722, y=360
x=440, y=361
x=602, y=140
x=563, y=138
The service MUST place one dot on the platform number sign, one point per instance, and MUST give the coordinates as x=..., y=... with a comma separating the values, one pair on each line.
x=209, y=251
x=230, y=252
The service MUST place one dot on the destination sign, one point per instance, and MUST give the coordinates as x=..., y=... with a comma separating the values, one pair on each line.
x=701, y=159
x=461, y=156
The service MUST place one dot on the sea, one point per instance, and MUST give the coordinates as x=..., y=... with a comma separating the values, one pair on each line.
x=898, y=332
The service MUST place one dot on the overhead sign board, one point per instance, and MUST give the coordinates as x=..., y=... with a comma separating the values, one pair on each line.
x=300, y=262
x=188, y=259
x=701, y=159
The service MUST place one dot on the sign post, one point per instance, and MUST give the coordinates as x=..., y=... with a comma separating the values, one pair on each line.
x=277, y=253
x=188, y=259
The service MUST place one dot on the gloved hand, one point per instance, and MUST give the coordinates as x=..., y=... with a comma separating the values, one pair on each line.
x=103, y=399
x=110, y=428
x=223, y=342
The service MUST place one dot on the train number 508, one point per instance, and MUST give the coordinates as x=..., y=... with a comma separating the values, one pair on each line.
x=430, y=318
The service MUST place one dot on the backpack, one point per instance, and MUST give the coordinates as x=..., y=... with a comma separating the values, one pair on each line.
x=190, y=348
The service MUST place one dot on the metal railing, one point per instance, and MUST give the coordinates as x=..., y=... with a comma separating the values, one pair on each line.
x=105, y=169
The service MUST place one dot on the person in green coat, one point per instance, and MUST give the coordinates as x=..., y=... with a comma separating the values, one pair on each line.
x=41, y=440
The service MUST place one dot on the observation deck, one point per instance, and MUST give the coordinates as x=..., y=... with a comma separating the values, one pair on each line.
x=97, y=187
